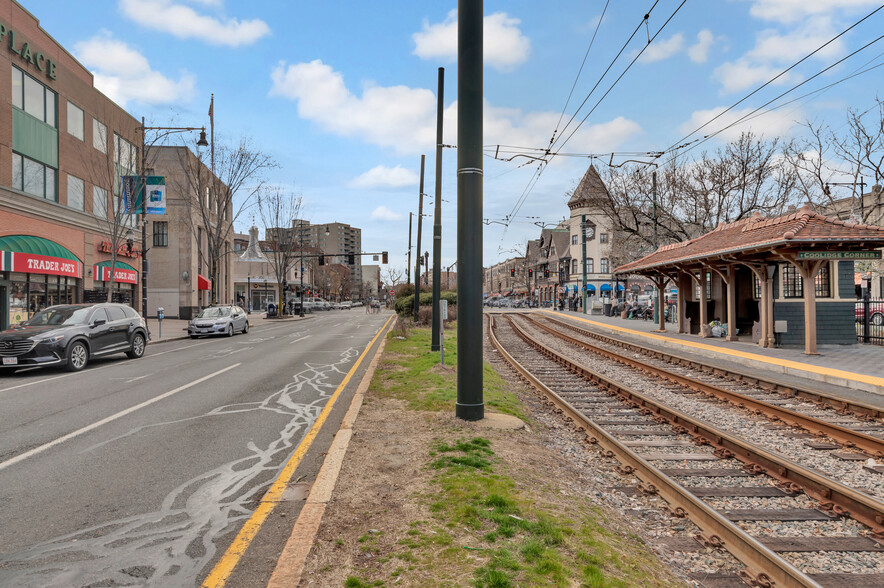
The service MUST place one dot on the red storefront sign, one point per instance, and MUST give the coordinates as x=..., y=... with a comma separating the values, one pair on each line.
x=106, y=247
x=121, y=275
x=12, y=261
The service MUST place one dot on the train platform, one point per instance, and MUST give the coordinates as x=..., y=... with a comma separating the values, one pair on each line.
x=855, y=372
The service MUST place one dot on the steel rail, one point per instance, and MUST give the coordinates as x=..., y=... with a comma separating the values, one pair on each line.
x=764, y=566
x=843, y=435
x=861, y=409
x=839, y=499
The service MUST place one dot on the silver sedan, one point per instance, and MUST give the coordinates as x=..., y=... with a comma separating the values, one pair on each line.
x=219, y=320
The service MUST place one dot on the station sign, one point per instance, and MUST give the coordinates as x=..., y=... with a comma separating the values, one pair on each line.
x=876, y=254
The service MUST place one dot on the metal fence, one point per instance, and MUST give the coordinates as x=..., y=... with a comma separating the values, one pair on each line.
x=870, y=321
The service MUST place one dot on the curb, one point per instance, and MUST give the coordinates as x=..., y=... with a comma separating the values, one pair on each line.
x=290, y=565
x=183, y=337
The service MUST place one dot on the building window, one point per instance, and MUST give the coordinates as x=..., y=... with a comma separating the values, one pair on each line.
x=99, y=136
x=573, y=239
x=75, y=121
x=99, y=202
x=590, y=265
x=33, y=97
x=823, y=282
x=160, y=234
x=603, y=263
x=75, y=192
x=574, y=265
x=603, y=238
x=33, y=177
x=125, y=156
x=756, y=287
x=792, y=283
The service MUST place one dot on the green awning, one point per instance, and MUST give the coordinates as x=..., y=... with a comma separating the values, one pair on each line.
x=35, y=246
x=120, y=265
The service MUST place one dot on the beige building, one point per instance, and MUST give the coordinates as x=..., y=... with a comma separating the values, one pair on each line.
x=180, y=269
x=586, y=213
x=254, y=278
x=337, y=240
x=371, y=282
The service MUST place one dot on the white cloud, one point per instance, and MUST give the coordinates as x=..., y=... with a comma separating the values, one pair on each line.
x=770, y=124
x=184, y=22
x=771, y=46
x=404, y=118
x=743, y=74
x=385, y=177
x=660, y=50
x=504, y=45
x=384, y=213
x=699, y=52
x=792, y=11
x=123, y=74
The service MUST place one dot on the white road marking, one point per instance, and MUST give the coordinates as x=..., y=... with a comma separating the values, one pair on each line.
x=113, y=417
x=301, y=339
x=130, y=380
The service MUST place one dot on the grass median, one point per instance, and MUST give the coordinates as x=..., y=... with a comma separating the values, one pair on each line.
x=486, y=518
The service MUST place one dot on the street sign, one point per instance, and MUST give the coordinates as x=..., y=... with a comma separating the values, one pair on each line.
x=876, y=254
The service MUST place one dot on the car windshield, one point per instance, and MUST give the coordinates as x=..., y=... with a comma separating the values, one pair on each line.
x=214, y=312
x=65, y=315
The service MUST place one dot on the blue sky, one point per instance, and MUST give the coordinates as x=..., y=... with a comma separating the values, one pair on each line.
x=343, y=94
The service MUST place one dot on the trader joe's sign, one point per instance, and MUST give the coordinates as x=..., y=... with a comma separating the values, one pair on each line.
x=839, y=254
x=11, y=261
x=122, y=275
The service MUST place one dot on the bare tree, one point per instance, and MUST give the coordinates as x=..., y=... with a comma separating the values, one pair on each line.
x=278, y=209
x=218, y=194
x=392, y=276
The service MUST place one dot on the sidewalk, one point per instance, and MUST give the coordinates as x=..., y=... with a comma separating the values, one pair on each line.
x=173, y=329
x=838, y=368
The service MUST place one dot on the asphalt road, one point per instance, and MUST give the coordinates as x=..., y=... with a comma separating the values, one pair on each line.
x=142, y=471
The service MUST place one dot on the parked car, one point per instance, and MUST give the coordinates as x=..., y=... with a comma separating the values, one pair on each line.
x=225, y=319
x=876, y=312
x=72, y=334
x=346, y=305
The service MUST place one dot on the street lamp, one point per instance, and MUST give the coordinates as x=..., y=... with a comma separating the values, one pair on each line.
x=301, y=231
x=202, y=142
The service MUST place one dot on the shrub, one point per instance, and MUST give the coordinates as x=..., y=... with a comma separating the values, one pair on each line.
x=405, y=306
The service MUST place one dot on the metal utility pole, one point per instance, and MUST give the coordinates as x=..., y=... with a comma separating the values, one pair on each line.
x=583, y=254
x=426, y=268
x=417, y=265
x=437, y=219
x=470, y=405
x=408, y=265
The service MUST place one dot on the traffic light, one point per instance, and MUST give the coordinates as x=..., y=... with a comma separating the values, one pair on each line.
x=383, y=257
x=322, y=260
x=351, y=258
x=546, y=273
x=513, y=272
x=530, y=272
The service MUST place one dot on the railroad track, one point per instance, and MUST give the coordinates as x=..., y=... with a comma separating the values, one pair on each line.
x=655, y=443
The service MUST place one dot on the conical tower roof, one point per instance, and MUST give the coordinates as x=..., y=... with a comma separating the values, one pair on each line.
x=253, y=251
x=590, y=191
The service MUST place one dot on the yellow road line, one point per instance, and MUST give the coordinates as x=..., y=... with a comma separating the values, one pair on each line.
x=874, y=380
x=222, y=570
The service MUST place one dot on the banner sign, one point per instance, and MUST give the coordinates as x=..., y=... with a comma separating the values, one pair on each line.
x=133, y=194
x=11, y=261
x=121, y=275
x=839, y=254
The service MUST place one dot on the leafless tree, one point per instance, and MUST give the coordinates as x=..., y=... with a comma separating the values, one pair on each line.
x=218, y=194
x=277, y=209
x=392, y=276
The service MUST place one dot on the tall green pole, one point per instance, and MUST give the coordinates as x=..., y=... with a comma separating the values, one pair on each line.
x=583, y=239
x=418, y=258
x=470, y=405
x=437, y=219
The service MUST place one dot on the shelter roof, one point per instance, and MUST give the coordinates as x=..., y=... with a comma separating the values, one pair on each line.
x=756, y=236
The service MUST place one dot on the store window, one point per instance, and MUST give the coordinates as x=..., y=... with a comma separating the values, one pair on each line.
x=75, y=192
x=75, y=121
x=160, y=234
x=33, y=177
x=99, y=136
x=33, y=97
x=590, y=265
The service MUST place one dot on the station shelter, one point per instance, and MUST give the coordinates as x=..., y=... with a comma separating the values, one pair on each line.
x=785, y=280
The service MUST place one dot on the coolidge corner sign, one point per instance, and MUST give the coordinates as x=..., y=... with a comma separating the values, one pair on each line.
x=23, y=50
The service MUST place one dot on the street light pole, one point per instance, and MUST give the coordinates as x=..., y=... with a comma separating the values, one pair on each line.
x=301, y=231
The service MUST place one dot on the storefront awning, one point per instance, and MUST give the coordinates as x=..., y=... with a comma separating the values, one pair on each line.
x=124, y=273
x=203, y=283
x=605, y=288
x=590, y=288
x=36, y=255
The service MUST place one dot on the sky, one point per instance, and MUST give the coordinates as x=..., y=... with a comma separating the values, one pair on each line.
x=342, y=95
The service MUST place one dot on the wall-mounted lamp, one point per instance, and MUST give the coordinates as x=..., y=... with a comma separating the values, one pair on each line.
x=89, y=272
x=326, y=231
x=185, y=276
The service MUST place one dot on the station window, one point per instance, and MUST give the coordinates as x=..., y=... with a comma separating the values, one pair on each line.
x=574, y=265
x=160, y=234
x=33, y=177
x=603, y=238
x=756, y=287
x=33, y=97
x=573, y=239
x=823, y=281
x=75, y=121
x=590, y=265
x=792, y=283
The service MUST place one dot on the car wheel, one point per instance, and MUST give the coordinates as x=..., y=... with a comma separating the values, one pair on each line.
x=245, y=328
x=230, y=330
x=878, y=319
x=77, y=356
x=138, y=346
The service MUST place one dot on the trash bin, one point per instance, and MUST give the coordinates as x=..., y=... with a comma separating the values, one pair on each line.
x=607, y=308
x=271, y=310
